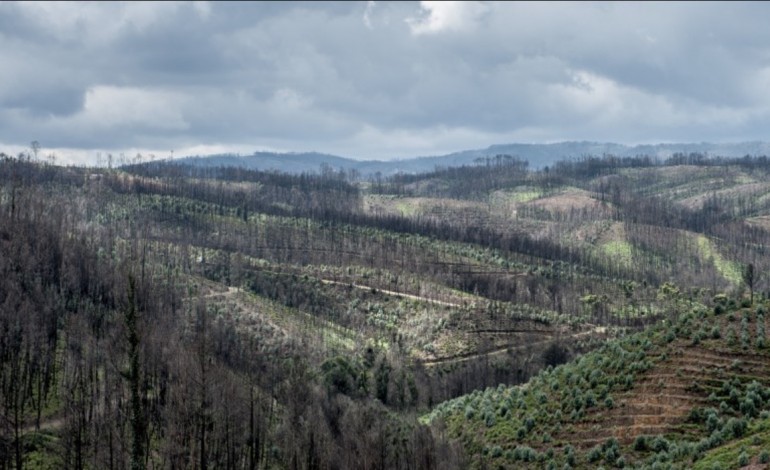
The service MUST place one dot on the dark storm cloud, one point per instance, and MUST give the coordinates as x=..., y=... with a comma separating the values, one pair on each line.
x=379, y=79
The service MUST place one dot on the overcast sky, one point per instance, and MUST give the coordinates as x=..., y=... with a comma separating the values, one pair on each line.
x=377, y=80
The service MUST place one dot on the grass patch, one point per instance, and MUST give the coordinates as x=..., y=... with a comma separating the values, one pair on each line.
x=525, y=195
x=620, y=250
x=757, y=438
x=408, y=208
x=728, y=269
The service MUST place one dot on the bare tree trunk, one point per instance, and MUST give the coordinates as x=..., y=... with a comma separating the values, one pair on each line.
x=137, y=418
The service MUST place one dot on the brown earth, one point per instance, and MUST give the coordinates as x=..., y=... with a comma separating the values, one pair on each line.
x=662, y=397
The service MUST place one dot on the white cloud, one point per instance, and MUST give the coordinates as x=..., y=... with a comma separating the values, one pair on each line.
x=447, y=16
x=109, y=106
x=368, y=12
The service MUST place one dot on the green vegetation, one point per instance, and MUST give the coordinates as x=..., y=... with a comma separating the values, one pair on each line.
x=619, y=250
x=728, y=269
x=715, y=413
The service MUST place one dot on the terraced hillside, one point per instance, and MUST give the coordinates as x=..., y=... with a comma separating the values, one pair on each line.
x=676, y=396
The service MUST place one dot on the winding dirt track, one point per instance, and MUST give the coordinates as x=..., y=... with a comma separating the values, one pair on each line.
x=393, y=293
x=599, y=330
x=511, y=347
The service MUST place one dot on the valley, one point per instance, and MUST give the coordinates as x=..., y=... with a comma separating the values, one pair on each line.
x=601, y=311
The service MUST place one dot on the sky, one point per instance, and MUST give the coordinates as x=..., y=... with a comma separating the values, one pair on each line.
x=376, y=80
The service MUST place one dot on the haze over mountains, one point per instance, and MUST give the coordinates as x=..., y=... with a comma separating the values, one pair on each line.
x=538, y=156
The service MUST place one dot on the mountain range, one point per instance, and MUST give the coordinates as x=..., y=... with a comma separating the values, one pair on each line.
x=538, y=156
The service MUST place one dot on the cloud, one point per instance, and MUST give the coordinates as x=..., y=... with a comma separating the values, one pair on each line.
x=84, y=24
x=378, y=79
x=109, y=106
x=203, y=9
x=367, y=18
x=436, y=17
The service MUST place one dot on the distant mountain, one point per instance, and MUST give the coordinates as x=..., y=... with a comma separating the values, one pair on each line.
x=538, y=156
x=541, y=155
x=309, y=162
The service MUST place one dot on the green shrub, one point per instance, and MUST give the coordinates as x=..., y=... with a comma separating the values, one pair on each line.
x=594, y=454
x=629, y=381
x=528, y=454
x=670, y=336
x=660, y=444
x=696, y=339
x=764, y=456
x=611, y=450
x=590, y=400
x=712, y=420
x=748, y=408
x=731, y=338
x=641, y=444
x=529, y=422
x=736, y=427
x=724, y=407
x=611, y=455
x=569, y=451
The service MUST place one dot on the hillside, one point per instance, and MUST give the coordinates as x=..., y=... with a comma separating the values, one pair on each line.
x=188, y=317
x=690, y=393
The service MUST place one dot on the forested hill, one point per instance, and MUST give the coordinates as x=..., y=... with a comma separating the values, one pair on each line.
x=178, y=316
x=537, y=155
